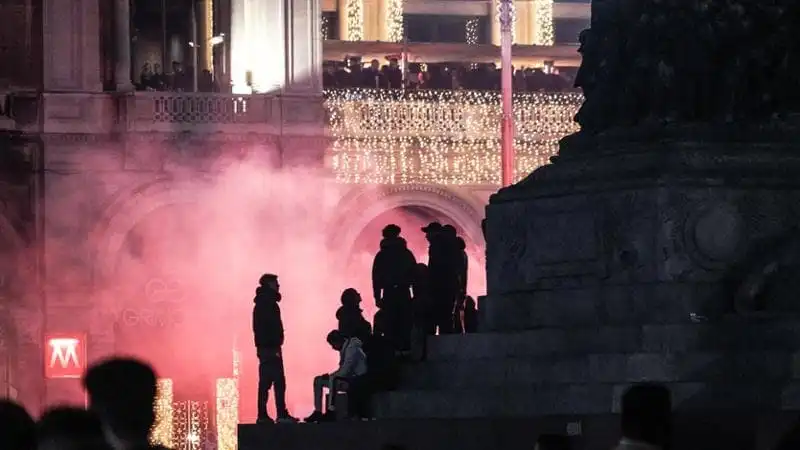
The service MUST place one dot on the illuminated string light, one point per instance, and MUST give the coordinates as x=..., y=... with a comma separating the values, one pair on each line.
x=355, y=20
x=545, y=32
x=208, y=49
x=227, y=413
x=499, y=5
x=323, y=23
x=471, y=31
x=161, y=434
x=190, y=425
x=441, y=137
x=394, y=20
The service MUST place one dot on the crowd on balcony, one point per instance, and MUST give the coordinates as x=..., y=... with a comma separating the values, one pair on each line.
x=453, y=76
x=152, y=78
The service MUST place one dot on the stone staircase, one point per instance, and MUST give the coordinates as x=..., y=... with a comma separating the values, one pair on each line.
x=562, y=371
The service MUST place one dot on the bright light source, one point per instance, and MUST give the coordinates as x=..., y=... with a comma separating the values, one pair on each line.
x=216, y=40
x=191, y=44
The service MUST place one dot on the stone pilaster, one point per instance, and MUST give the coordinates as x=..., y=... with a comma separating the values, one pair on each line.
x=303, y=46
x=122, y=27
x=71, y=46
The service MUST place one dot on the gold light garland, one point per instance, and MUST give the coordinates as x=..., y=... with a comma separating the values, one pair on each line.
x=161, y=434
x=323, y=31
x=227, y=413
x=355, y=20
x=440, y=137
x=471, y=30
x=513, y=11
x=208, y=49
x=190, y=425
x=545, y=32
x=394, y=20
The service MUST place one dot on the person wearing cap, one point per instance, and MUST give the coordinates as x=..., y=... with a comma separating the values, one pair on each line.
x=392, y=282
x=268, y=336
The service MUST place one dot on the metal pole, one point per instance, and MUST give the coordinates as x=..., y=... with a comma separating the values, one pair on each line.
x=195, y=44
x=506, y=16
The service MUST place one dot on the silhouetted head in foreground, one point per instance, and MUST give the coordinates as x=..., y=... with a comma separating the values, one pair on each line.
x=391, y=231
x=336, y=339
x=552, y=442
x=122, y=392
x=647, y=414
x=351, y=298
x=270, y=281
x=17, y=428
x=68, y=428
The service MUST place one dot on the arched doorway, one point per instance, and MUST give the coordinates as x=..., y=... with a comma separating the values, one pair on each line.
x=362, y=216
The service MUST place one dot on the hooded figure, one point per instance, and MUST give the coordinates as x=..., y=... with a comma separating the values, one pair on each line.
x=392, y=281
x=351, y=319
x=393, y=268
x=268, y=337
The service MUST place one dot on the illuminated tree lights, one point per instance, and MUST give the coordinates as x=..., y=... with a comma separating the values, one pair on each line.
x=545, y=33
x=227, y=413
x=394, y=20
x=161, y=434
x=441, y=137
x=471, y=31
x=355, y=20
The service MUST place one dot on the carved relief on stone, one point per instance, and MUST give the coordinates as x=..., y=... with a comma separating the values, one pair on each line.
x=714, y=235
x=507, y=230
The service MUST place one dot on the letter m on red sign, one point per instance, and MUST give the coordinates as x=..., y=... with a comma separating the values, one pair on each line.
x=64, y=355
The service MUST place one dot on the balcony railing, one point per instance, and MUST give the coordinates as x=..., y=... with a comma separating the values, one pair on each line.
x=441, y=137
x=171, y=111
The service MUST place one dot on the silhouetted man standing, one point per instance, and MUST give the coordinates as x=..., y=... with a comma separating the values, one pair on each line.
x=268, y=337
x=392, y=280
x=443, y=273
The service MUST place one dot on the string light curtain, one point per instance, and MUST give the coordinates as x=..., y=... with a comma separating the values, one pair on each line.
x=190, y=425
x=355, y=20
x=227, y=413
x=441, y=137
x=545, y=32
x=162, y=431
x=471, y=31
x=394, y=20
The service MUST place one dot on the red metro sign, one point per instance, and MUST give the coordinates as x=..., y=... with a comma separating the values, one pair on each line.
x=65, y=356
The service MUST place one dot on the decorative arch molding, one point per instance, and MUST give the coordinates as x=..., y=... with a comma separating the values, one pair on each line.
x=127, y=211
x=360, y=207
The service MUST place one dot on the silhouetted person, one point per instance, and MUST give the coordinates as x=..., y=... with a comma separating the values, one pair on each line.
x=352, y=367
x=268, y=337
x=17, y=428
x=70, y=428
x=351, y=319
x=392, y=280
x=442, y=271
x=122, y=393
x=470, y=315
x=552, y=442
x=392, y=74
x=646, y=418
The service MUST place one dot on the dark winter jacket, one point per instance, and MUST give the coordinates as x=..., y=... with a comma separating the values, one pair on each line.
x=267, y=323
x=352, y=323
x=393, y=266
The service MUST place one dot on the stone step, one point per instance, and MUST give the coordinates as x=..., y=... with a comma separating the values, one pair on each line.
x=589, y=432
x=578, y=399
x=730, y=335
x=601, y=368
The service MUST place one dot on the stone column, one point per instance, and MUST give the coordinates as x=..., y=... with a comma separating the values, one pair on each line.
x=303, y=47
x=122, y=68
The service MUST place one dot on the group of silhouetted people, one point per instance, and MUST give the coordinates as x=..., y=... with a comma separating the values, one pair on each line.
x=413, y=299
x=121, y=396
x=428, y=298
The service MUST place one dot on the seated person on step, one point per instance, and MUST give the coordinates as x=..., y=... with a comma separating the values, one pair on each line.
x=348, y=377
